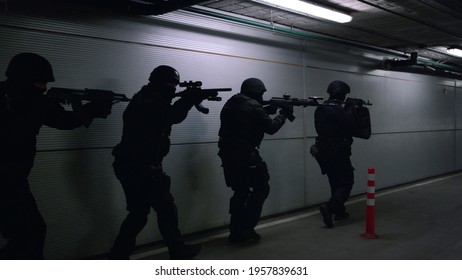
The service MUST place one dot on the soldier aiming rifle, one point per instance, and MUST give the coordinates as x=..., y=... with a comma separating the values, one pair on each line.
x=24, y=109
x=336, y=124
x=145, y=142
x=207, y=94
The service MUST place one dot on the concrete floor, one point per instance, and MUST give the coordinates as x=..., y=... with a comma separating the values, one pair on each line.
x=418, y=221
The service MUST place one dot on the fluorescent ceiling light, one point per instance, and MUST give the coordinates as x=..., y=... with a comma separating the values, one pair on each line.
x=303, y=8
x=455, y=52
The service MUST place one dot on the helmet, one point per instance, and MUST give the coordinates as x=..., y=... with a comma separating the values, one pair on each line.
x=253, y=85
x=338, y=89
x=164, y=74
x=30, y=67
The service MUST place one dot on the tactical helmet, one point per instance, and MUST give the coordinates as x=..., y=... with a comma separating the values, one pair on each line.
x=253, y=85
x=30, y=67
x=164, y=74
x=338, y=89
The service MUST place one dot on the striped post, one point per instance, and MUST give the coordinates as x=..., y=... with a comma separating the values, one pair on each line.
x=370, y=208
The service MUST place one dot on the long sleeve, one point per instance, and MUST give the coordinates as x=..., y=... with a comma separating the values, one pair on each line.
x=270, y=126
x=179, y=110
x=244, y=119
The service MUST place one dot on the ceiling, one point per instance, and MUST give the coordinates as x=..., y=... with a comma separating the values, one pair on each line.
x=426, y=27
x=418, y=30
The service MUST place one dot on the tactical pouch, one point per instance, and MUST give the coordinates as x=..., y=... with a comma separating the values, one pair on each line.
x=258, y=174
x=166, y=182
x=315, y=151
x=363, y=121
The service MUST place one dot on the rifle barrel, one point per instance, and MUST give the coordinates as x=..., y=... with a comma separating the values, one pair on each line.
x=66, y=94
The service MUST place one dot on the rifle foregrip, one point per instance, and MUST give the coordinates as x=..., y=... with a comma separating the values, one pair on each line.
x=201, y=108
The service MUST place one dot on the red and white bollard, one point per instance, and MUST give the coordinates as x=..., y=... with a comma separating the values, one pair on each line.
x=370, y=208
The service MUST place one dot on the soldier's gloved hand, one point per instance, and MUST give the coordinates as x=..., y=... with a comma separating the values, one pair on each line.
x=350, y=108
x=288, y=112
x=270, y=109
x=98, y=109
x=194, y=96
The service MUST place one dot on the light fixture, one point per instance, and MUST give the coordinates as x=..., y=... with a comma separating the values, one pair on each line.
x=306, y=9
x=455, y=51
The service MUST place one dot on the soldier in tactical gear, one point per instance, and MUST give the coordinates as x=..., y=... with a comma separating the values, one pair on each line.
x=148, y=121
x=244, y=122
x=335, y=126
x=24, y=109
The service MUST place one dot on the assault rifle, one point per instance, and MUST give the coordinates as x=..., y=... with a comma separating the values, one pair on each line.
x=357, y=102
x=67, y=95
x=285, y=101
x=206, y=94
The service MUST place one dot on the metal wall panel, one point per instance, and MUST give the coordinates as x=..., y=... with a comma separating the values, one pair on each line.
x=458, y=151
x=458, y=105
x=458, y=123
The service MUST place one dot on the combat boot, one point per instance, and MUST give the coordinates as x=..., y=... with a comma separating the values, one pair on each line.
x=326, y=215
x=184, y=251
x=244, y=236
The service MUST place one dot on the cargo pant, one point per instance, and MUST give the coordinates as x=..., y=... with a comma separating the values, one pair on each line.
x=145, y=187
x=247, y=175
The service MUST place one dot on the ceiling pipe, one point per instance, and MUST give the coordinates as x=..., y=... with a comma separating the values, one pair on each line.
x=158, y=7
x=394, y=63
x=411, y=65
